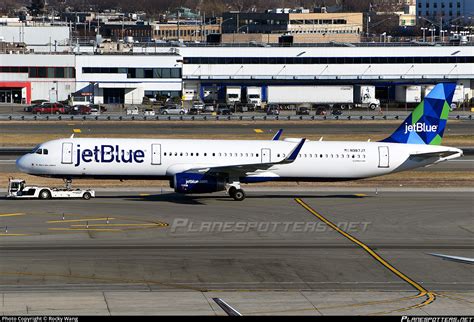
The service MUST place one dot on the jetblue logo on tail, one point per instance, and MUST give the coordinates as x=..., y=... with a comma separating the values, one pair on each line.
x=426, y=124
x=420, y=127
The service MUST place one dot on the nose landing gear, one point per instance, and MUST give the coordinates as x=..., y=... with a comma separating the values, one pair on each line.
x=236, y=192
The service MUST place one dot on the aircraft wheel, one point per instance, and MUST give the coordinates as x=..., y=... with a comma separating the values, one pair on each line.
x=239, y=195
x=231, y=191
x=44, y=194
x=86, y=195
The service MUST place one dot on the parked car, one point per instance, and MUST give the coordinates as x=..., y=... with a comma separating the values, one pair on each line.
x=302, y=110
x=223, y=109
x=30, y=108
x=251, y=107
x=102, y=108
x=273, y=109
x=194, y=111
x=321, y=111
x=198, y=105
x=173, y=109
x=132, y=110
x=49, y=108
x=79, y=109
x=336, y=111
x=208, y=108
x=149, y=112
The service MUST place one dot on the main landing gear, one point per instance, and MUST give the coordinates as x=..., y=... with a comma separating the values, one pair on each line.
x=235, y=192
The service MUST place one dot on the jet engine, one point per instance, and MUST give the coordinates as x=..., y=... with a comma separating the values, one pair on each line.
x=198, y=183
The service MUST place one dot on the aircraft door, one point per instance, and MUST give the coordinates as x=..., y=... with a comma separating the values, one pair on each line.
x=383, y=157
x=156, y=154
x=266, y=155
x=67, y=153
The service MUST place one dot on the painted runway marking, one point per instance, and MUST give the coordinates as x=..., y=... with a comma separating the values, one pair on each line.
x=122, y=225
x=12, y=215
x=78, y=220
x=258, y=131
x=430, y=296
x=86, y=229
x=7, y=235
x=76, y=130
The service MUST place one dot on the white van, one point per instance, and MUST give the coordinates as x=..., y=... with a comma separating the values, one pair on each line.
x=80, y=100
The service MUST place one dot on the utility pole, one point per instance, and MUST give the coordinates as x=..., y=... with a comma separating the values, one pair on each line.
x=177, y=17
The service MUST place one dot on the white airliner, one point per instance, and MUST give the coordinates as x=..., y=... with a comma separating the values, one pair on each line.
x=204, y=166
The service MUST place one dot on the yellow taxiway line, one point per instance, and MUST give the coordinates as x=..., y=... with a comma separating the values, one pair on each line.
x=78, y=220
x=12, y=215
x=122, y=225
x=86, y=229
x=430, y=296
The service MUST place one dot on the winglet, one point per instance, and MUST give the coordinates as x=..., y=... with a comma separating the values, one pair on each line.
x=276, y=137
x=293, y=154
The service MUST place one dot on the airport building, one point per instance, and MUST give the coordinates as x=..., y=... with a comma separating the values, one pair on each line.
x=195, y=71
x=447, y=10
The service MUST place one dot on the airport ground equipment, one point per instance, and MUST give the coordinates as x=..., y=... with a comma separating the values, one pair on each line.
x=17, y=189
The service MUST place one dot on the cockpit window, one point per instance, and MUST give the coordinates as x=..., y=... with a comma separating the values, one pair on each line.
x=39, y=151
x=35, y=149
x=45, y=151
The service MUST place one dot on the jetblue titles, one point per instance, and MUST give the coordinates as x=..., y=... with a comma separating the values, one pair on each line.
x=108, y=154
x=420, y=127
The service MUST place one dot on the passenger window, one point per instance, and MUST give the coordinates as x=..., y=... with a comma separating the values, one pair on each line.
x=278, y=155
x=45, y=151
x=181, y=154
x=165, y=153
x=256, y=155
x=321, y=156
x=176, y=154
x=205, y=154
x=213, y=154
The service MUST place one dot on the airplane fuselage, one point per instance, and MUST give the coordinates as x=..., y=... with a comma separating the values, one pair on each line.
x=163, y=158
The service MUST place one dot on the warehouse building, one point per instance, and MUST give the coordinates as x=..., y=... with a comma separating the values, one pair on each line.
x=194, y=72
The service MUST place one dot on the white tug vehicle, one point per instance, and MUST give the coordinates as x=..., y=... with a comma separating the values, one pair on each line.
x=17, y=189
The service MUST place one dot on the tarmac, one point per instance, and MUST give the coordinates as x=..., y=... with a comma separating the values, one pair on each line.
x=221, y=128
x=277, y=252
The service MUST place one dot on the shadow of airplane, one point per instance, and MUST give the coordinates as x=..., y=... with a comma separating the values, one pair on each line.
x=191, y=199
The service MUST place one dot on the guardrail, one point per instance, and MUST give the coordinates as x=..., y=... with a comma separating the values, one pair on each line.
x=209, y=117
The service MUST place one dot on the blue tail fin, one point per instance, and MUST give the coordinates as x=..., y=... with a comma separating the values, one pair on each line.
x=426, y=124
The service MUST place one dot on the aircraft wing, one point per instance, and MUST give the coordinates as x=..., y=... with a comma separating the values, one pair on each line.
x=464, y=260
x=242, y=169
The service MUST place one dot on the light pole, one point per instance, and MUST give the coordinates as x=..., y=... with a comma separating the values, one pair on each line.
x=443, y=32
x=424, y=30
x=432, y=30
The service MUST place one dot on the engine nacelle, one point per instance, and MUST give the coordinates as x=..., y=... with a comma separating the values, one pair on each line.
x=198, y=183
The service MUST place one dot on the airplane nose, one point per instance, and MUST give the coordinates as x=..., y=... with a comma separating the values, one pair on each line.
x=21, y=163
